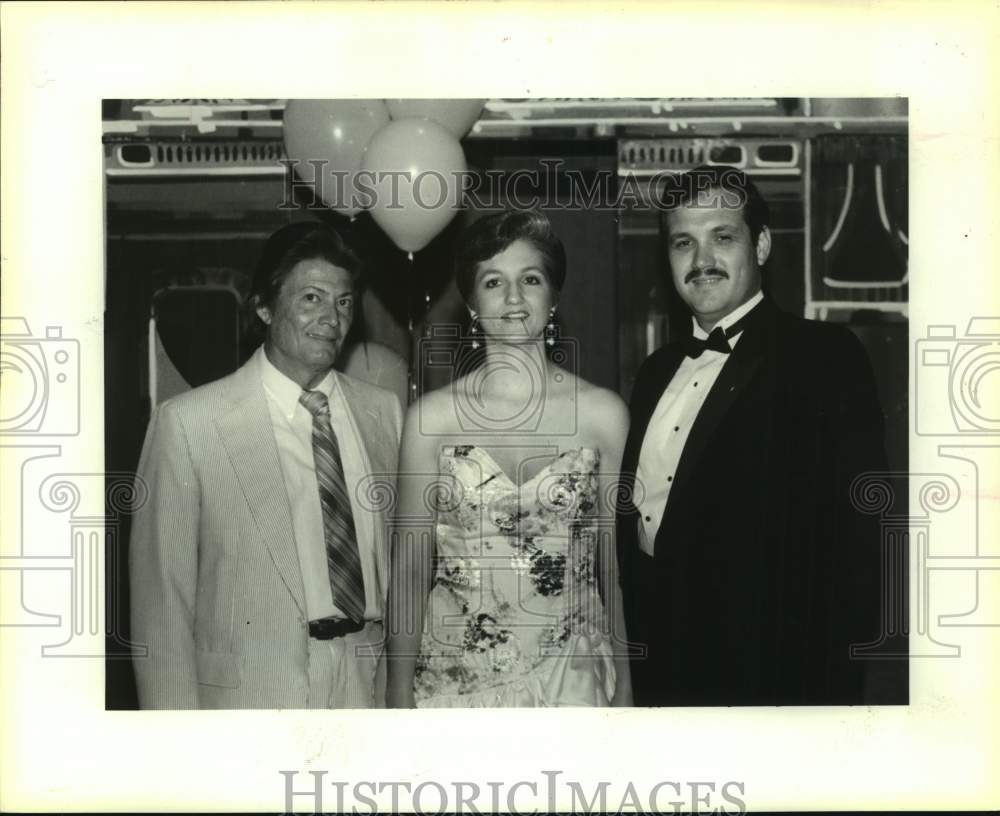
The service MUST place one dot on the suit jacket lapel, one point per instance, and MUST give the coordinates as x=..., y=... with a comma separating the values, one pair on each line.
x=368, y=425
x=248, y=437
x=374, y=437
x=741, y=367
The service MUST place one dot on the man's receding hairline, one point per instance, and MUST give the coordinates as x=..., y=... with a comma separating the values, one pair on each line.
x=690, y=205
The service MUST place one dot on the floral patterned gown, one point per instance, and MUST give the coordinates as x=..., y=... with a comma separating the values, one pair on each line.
x=514, y=616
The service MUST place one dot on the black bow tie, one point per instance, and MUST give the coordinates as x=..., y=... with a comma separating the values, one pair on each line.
x=717, y=340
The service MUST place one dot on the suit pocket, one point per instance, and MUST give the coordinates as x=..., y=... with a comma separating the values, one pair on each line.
x=218, y=669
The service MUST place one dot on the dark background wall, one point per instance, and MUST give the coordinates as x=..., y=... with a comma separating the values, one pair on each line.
x=195, y=242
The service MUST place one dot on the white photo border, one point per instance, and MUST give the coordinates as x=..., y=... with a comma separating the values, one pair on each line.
x=63, y=751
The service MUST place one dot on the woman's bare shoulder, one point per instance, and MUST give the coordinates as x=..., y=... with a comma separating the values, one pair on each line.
x=601, y=404
x=434, y=412
x=602, y=417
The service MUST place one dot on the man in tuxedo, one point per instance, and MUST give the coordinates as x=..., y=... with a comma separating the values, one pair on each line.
x=258, y=564
x=748, y=573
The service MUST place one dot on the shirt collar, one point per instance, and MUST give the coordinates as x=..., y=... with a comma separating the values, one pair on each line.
x=730, y=318
x=284, y=391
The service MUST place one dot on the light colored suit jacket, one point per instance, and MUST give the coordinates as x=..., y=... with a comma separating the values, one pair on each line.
x=216, y=586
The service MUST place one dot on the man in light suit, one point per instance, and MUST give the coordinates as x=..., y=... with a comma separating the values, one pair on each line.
x=748, y=573
x=258, y=565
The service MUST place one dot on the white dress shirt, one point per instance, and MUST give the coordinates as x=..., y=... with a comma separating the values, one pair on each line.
x=292, y=425
x=671, y=423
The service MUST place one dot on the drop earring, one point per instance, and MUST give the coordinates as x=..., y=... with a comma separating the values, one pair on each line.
x=550, y=328
x=473, y=330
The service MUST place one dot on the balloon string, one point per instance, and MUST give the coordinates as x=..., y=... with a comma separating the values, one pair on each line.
x=415, y=347
x=409, y=310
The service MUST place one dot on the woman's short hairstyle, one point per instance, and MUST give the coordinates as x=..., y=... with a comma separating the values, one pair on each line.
x=492, y=234
x=290, y=245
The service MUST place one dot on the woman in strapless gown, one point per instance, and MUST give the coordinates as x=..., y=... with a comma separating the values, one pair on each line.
x=514, y=617
x=503, y=587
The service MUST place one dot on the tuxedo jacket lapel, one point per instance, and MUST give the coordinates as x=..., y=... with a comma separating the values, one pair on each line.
x=248, y=437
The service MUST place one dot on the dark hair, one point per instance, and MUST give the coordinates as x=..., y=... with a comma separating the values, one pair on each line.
x=290, y=245
x=492, y=234
x=735, y=189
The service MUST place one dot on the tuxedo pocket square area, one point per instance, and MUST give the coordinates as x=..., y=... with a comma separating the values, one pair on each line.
x=218, y=669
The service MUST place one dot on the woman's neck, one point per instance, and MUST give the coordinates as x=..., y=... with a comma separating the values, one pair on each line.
x=514, y=369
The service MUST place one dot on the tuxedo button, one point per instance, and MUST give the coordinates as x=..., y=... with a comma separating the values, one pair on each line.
x=670, y=478
x=648, y=518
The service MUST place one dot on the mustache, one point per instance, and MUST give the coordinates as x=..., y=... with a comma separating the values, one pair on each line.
x=713, y=271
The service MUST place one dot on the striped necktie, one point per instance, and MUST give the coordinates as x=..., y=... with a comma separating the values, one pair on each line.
x=342, y=558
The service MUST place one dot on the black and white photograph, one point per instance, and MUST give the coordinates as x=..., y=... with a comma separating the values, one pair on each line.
x=378, y=376
x=553, y=292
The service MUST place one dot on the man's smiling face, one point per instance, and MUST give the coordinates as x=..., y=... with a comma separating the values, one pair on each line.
x=309, y=320
x=714, y=262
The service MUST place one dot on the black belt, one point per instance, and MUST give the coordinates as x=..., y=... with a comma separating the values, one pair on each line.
x=330, y=628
